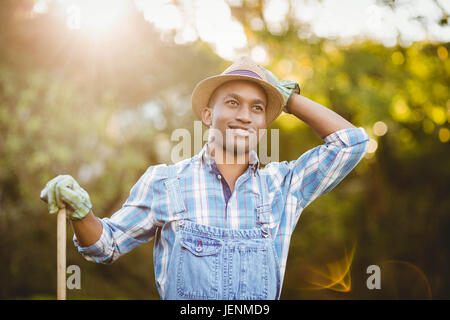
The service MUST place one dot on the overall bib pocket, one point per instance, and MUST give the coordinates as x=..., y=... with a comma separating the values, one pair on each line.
x=198, y=267
x=253, y=273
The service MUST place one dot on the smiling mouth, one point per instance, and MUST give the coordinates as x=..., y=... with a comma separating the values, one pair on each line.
x=239, y=131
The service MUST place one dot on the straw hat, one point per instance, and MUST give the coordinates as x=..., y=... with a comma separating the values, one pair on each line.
x=243, y=69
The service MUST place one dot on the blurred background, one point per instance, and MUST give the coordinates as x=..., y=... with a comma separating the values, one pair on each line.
x=95, y=88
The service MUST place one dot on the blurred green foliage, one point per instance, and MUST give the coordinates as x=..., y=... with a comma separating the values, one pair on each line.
x=103, y=110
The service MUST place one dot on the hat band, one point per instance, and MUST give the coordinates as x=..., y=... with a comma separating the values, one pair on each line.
x=245, y=73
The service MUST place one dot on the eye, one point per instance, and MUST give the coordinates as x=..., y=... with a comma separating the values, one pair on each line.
x=232, y=102
x=258, y=107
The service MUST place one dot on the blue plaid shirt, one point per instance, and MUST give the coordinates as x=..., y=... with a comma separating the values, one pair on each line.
x=292, y=187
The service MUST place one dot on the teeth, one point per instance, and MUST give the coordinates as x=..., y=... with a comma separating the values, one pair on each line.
x=240, y=132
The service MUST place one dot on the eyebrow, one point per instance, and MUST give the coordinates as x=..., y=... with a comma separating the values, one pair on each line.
x=238, y=97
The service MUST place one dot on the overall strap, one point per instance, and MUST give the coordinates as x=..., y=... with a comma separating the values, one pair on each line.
x=172, y=172
x=263, y=210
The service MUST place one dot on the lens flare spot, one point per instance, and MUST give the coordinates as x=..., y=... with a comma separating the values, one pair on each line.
x=404, y=280
x=336, y=277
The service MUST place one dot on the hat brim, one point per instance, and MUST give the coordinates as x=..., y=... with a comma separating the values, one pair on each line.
x=205, y=88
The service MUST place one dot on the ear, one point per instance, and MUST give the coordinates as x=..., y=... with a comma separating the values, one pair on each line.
x=207, y=116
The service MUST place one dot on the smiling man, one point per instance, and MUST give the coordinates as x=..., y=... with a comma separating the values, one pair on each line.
x=236, y=113
x=221, y=227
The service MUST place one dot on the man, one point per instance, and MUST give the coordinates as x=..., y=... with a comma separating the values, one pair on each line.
x=222, y=225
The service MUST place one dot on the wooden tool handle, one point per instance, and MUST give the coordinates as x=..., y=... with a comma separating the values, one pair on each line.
x=61, y=254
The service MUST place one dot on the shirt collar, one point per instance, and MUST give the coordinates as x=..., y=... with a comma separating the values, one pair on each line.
x=205, y=156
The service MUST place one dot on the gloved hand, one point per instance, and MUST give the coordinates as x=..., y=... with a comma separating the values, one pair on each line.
x=286, y=87
x=64, y=191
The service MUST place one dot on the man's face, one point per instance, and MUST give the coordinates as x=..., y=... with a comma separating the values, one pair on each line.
x=236, y=111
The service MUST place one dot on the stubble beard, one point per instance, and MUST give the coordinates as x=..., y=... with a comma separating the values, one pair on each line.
x=232, y=149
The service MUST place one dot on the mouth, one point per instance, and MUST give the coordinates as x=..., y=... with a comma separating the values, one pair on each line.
x=240, y=131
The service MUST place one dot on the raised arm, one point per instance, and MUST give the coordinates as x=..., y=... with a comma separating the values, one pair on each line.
x=320, y=169
x=322, y=120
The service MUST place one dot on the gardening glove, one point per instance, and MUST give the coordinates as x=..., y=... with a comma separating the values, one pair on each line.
x=64, y=192
x=285, y=87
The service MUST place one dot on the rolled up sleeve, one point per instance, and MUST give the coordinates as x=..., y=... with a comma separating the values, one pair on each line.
x=98, y=251
x=132, y=225
x=320, y=169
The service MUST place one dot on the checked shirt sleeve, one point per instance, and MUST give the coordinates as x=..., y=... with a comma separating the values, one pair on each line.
x=319, y=170
x=132, y=225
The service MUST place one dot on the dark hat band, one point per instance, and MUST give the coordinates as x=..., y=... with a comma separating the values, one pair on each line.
x=245, y=73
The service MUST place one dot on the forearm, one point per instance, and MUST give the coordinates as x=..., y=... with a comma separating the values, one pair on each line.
x=87, y=230
x=322, y=120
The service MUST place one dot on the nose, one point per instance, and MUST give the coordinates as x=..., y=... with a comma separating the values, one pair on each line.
x=244, y=114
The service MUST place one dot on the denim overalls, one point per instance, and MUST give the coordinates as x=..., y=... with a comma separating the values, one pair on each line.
x=216, y=263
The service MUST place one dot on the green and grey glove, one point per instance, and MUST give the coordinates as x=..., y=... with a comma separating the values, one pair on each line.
x=64, y=192
x=286, y=87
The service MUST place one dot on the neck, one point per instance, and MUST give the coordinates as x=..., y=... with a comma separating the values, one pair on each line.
x=229, y=163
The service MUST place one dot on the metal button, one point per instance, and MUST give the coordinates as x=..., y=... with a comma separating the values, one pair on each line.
x=198, y=249
x=219, y=176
